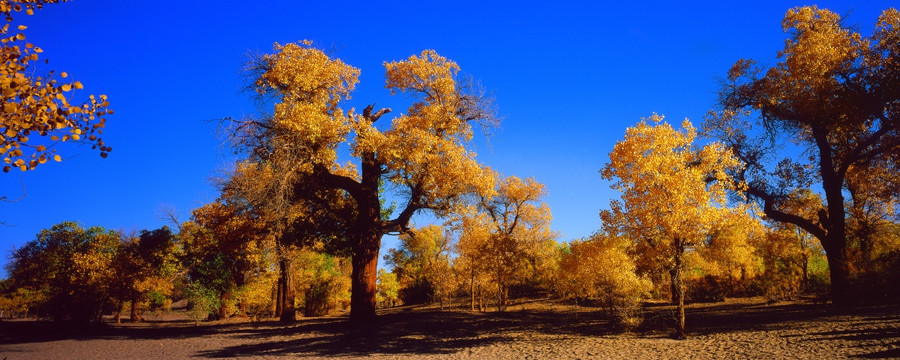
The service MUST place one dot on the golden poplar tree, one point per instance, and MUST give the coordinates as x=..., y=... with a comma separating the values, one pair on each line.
x=421, y=153
x=673, y=194
x=507, y=235
x=832, y=92
x=422, y=265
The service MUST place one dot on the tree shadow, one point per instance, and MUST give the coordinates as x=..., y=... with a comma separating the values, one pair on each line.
x=416, y=332
x=426, y=330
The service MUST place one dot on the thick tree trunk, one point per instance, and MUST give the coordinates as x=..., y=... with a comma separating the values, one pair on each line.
x=279, y=297
x=839, y=269
x=835, y=240
x=135, y=311
x=288, y=311
x=364, y=278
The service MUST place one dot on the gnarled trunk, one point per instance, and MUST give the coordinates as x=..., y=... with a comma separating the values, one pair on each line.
x=364, y=277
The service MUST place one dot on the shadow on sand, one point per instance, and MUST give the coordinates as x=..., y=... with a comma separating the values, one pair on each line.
x=412, y=330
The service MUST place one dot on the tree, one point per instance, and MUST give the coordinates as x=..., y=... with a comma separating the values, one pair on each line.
x=40, y=105
x=388, y=288
x=72, y=266
x=834, y=93
x=224, y=247
x=730, y=252
x=322, y=281
x=507, y=234
x=422, y=265
x=872, y=212
x=146, y=265
x=421, y=154
x=673, y=193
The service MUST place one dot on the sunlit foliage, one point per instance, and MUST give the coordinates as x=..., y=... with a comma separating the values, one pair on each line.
x=224, y=247
x=322, y=282
x=506, y=236
x=422, y=265
x=37, y=104
x=601, y=268
x=673, y=195
x=388, y=289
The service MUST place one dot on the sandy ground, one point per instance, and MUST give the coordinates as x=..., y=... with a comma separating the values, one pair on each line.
x=742, y=328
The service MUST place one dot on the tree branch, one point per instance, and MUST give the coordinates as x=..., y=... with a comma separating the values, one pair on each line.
x=780, y=216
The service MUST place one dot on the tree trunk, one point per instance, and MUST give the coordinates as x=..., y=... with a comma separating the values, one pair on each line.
x=804, y=264
x=279, y=297
x=135, y=312
x=835, y=240
x=288, y=311
x=364, y=278
x=839, y=269
x=674, y=287
x=472, y=289
x=223, y=312
x=678, y=289
x=120, y=304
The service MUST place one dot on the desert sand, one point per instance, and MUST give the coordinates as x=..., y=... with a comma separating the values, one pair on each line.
x=537, y=329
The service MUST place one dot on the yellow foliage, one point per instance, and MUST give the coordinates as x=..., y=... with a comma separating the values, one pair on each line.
x=507, y=235
x=39, y=105
x=671, y=190
x=600, y=267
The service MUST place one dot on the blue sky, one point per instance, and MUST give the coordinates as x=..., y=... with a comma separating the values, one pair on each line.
x=569, y=77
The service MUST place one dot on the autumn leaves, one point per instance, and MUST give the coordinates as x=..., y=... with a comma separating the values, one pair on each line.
x=39, y=105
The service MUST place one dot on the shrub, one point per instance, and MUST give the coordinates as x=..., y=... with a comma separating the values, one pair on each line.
x=600, y=268
x=203, y=302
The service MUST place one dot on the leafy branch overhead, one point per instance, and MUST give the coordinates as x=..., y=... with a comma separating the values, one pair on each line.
x=40, y=105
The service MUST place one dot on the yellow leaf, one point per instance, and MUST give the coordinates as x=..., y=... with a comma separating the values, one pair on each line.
x=64, y=74
x=57, y=158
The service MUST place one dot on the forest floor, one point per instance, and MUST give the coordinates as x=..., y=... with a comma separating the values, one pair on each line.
x=534, y=329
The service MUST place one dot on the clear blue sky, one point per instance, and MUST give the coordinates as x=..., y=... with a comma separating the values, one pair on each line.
x=569, y=77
